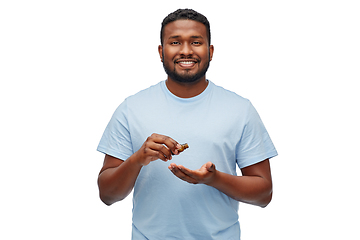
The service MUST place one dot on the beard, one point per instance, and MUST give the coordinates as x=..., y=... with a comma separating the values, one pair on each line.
x=185, y=77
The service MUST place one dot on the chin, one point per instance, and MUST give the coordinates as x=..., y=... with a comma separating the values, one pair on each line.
x=186, y=78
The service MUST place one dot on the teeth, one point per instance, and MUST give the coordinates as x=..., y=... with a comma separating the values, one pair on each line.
x=186, y=62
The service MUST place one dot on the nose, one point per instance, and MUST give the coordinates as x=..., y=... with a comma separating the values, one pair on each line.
x=186, y=49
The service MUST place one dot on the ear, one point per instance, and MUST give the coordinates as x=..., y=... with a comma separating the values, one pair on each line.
x=211, y=50
x=160, y=48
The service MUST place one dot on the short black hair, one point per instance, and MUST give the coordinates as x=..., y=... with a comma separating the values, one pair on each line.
x=185, y=14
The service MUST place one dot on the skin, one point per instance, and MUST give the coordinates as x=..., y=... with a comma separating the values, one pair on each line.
x=117, y=177
x=184, y=41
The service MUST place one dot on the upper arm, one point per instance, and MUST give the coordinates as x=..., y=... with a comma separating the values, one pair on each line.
x=116, y=139
x=110, y=162
x=255, y=142
x=261, y=169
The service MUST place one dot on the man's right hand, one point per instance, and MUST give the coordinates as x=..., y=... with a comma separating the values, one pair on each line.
x=117, y=177
x=157, y=147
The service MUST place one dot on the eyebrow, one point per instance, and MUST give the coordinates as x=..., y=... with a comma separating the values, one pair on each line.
x=178, y=36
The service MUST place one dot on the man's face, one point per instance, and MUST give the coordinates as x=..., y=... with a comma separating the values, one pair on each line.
x=185, y=53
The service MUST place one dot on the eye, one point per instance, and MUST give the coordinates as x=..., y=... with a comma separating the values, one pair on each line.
x=175, y=43
x=196, y=43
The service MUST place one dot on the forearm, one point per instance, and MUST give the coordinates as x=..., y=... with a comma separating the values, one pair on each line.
x=249, y=189
x=117, y=178
x=116, y=183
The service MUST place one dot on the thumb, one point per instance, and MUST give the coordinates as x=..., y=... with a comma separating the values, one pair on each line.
x=210, y=167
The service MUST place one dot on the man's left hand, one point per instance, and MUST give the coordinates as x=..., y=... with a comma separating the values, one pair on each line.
x=206, y=174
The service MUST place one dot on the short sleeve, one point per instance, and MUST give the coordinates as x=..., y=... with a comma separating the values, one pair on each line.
x=255, y=144
x=116, y=140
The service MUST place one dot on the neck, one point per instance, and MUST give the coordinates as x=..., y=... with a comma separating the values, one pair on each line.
x=187, y=90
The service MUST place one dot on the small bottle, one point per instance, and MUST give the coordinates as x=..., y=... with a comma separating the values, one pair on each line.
x=183, y=147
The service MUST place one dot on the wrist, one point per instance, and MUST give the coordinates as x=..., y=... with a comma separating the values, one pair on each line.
x=213, y=179
x=135, y=160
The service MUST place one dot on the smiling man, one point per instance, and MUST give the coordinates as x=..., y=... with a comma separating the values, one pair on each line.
x=188, y=51
x=196, y=196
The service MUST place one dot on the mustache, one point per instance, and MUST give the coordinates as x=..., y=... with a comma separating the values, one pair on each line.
x=186, y=59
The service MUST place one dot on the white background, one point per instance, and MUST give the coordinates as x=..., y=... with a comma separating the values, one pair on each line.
x=66, y=65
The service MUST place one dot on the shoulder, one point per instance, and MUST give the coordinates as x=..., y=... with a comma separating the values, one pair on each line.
x=145, y=93
x=141, y=100
x=143, y=97
x=229, y=97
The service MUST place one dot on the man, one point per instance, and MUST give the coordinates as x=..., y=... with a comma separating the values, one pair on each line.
x=196, y=196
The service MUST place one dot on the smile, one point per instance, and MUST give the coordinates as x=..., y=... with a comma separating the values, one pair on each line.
x=186, y=63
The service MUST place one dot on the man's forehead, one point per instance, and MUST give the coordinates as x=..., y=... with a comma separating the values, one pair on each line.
x=185, y=27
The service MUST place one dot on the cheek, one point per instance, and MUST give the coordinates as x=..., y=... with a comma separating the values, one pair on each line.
x=170, y=52
x=204, y=54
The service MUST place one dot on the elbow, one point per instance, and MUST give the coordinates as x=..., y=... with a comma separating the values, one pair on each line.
x=262, y=199
x=104, y=197
x=107, y=196
x=108, y=200
x=266, y=198
x=266, y=201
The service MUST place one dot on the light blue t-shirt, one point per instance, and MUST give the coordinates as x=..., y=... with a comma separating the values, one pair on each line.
x=219, y=126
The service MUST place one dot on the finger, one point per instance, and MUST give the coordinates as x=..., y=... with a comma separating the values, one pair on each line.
x=187, y=171
x=164, y=150
x=170, y=143
x=161, y=150
x=180, y=174
x=156, y=151
x=154, y=155
x=210, y=166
